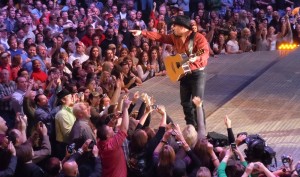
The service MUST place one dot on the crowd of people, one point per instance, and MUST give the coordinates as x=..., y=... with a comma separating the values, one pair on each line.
x=67, y=68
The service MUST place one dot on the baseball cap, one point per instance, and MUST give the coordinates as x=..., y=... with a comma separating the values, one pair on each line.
x=79, y=43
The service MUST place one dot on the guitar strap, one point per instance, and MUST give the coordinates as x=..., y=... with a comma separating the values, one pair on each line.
x=191, y=43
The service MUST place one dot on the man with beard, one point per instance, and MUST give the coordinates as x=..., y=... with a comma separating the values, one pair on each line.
x=110, y=39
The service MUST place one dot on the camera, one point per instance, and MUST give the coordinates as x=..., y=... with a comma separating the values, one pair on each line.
x=173, y=133
x=233, y=146
x=80, y=94
x=154, y=106
x=297, y=168
x=179, y=143
x=91, y=145
x=71, y=148
x=285, y=159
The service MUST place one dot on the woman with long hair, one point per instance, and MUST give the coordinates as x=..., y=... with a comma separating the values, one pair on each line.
x=96, y=58
x=68, y=46
x=272, y=37
x=262, y=43
x=204, y=151
x=16, y=65
x=151, y=25
x=131, y=64
x=143, y=67
x=156, y=62
x=219, y=47
x=27, y=43
x=166, y=161
x=232, y=46
x=142, y=146
x=245, y=41
x=39, y=39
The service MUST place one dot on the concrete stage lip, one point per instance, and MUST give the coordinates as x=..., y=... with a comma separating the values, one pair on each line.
x=259, y=91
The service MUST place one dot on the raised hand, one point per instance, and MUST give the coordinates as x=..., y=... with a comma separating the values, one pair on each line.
x=227, y=121
x=167, y=135
x=42, y=128
x=197, y=101
x=136, y=96
x=95, y=151
x=161, y=110
x=11, y=149
x=126, y=103
x=136, y=32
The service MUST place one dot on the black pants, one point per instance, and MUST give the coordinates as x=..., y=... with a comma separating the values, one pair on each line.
x=191, y=85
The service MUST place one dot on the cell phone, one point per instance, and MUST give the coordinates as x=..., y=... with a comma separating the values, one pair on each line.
x=80, y=94
x=71, y=148
x=233, y=145
x=91, y=145
x=256, y=166
x=40, y=124
x=154, y=106
x=173, y=125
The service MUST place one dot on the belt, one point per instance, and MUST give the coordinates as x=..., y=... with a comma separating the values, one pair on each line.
x=199, y=69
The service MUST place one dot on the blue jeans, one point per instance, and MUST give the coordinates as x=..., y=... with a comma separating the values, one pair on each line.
x=191, y=85
x=145, y=5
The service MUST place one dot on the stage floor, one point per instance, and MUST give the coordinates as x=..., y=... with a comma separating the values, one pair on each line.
x=259, y=91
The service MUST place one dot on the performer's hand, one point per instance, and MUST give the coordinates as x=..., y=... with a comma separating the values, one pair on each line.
x=136, y=32
x=193, y=59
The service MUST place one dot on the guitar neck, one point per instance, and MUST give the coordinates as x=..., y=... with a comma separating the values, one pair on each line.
x=186, y=58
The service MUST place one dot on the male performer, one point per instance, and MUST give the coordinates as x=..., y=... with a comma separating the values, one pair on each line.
x=191, y=84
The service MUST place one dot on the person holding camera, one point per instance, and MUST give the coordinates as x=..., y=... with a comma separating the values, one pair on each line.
x=84, y=162
x=235, y=167
x=288, y=168
x=257, y=168
x=110, y=146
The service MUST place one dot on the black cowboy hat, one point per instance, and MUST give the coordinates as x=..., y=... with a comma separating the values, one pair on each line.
x=60, y=95
x=182, y=20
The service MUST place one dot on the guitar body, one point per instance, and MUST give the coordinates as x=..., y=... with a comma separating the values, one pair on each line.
x=177, y=65
x=174, y=67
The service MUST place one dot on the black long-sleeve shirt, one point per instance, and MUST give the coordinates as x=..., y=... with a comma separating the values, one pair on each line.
x=10, y=170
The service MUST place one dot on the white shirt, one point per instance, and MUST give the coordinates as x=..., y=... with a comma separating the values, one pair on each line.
x=233, y=45
x=17, y=101
x=82, y=58
x=216, y=46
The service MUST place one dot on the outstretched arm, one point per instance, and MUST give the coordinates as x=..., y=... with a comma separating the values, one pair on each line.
x=200, y=117
x=231, y=138
x=164, y=38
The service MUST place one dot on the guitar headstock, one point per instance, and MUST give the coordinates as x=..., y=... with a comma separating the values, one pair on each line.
x=200, y=52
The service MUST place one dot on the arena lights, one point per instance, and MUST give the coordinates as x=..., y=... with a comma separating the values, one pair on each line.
x=287, y=46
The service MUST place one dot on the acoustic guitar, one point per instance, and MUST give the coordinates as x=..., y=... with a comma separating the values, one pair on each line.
x=178, y=65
